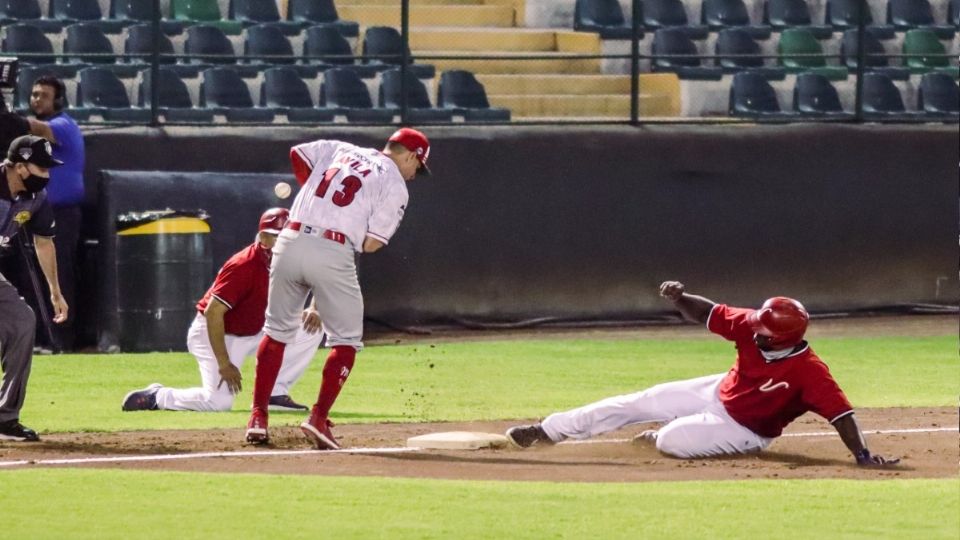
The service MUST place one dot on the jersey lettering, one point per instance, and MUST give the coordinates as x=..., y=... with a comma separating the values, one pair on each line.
x=350, y=186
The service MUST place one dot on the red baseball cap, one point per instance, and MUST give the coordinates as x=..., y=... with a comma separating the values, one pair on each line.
x=273, y=220
x=415, y=142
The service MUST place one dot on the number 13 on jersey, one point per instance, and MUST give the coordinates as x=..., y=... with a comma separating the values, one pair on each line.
x=349, y=187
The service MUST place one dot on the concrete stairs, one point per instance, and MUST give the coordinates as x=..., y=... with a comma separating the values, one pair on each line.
x=555, y=86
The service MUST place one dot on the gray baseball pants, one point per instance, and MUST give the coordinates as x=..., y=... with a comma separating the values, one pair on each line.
x=17, y=324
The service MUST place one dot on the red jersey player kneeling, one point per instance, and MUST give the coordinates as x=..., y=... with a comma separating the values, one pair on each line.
x=775, y=379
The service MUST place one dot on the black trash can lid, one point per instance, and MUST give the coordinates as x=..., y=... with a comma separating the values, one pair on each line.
x=166, y=221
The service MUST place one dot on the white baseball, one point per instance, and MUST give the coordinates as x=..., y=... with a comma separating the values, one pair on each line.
x=282, y=190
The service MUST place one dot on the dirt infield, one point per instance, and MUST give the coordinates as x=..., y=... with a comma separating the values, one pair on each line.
x=926, y=438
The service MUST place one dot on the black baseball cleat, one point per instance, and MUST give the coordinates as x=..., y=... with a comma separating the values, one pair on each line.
x=285, y=403
x=144, y=399
x=13, y=430
x=527, y=436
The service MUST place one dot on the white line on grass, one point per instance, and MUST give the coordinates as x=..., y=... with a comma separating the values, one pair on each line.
x=388, y=450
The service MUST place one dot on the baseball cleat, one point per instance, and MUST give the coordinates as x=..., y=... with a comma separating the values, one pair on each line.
x=285, y=403
x=257, y=428
x=527, y=436
x=646, y=437
x=317, y=431
x=13, y=430
x=144, y=399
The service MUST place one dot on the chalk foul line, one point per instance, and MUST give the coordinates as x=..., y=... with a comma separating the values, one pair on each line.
x=358, y=451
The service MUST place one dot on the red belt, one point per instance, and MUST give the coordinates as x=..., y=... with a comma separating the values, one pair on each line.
x=338, y=237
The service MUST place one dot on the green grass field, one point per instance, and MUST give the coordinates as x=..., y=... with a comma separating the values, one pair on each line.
x=466, y=381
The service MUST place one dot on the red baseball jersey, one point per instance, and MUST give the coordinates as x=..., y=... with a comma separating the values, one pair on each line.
x=241, y=284
x=765, y=396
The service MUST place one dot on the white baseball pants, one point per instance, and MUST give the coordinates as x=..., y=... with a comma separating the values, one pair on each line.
x=303, y=263
x=697, y=422
x=208, y=397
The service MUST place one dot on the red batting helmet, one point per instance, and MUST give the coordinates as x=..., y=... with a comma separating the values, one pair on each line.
x=783, y=320
x=273, y=220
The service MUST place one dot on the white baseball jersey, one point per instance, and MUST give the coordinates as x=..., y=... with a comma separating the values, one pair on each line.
x=356, y=191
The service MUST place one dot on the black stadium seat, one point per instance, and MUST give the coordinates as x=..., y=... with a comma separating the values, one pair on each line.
x=268, y=40
x=26, y=11
x=675, y=41
x=173, y=101
x=343, y=90
x=209, y=45
x=286, y=93
x=224, y=91
x=419, y=108
x=671, y=13
x=140, y=41
x=787, y=13
x=385, y=42
x=84, y=11
x=751, y=95
x=726, y=13
x=938, y=94
x=813, y=95
x=139, y=11
x=875, y=55
x=604, y=17
x=844, y=14
x=29, y=43
x=880, y=96
x=87, y=43
x=314, y=12
x=329, y=44
x=254, y=11
x=907, y=14
x=733, y=47
x=461, y=92
x=101, y=91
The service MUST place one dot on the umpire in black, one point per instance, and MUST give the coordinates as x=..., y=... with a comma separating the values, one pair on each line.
x=23, y=201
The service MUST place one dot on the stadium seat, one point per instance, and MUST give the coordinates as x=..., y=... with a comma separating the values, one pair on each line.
x=29, y=43
x=140, y=41
x=327, y=45
x=267, y=40
x=923, y=41
x=224, y=92
x=344, y=91
x=26, y=11
x=461, y=92
x=314, y=12
x=209, y=44
x=254, y=11
x=844, y=14
x=906, y=14
x=87, y=11
x=203, y=11
x=795, y=43
x=718, y=14
x=782, y=14
x=385, y=41
x=102, y=92
x=938, y=94
x=751, y=95
x=675, y=41
x=86, y=43
x=953, y=13
x=731, y=46
x=173, y=98
x=813, y=95
x=876, y=59
x=419, y=108
x=670, y=13
x=140, y=11
x=880, y=96
x=604, y=17
x=286, y=93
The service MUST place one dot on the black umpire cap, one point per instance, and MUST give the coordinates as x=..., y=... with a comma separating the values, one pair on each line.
x=32, y=149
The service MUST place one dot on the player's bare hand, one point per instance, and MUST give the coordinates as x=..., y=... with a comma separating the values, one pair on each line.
x=60, y=307
x=671, y=290
x=230, y=375
x=867, y=460
x=311, y=321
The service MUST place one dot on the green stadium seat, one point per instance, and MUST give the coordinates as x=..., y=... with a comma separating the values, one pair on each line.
x=794, y=46
x=924, y=42
x=205, y=11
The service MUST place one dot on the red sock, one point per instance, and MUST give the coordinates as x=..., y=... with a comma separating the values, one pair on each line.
x=335, y=373
x=269, y=359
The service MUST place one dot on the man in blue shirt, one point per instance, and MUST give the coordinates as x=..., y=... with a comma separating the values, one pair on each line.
x=65, y=191
x=23, y=202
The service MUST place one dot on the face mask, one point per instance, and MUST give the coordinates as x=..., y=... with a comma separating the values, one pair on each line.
x=34, y=183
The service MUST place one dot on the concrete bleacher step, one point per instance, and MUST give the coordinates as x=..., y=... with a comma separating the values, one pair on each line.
x=551, y=63
x=503, y=39
x=595, y=106
x=555, y=84
x=431, y=15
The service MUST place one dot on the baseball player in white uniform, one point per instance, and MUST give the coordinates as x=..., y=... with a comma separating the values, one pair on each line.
x=351, y=201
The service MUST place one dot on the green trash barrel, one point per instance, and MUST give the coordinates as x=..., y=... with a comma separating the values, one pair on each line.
x=164, y=265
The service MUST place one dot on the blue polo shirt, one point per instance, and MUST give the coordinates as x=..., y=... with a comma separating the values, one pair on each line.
x=66, y=181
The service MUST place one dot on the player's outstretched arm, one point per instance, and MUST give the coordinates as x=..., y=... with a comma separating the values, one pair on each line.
x=693, y=308
x=851, y=435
